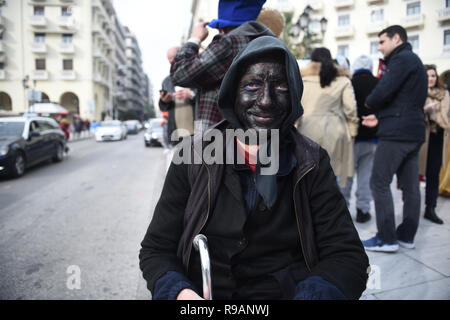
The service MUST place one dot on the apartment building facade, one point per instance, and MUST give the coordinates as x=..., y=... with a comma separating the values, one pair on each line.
x=70, y=51
x=353, y=25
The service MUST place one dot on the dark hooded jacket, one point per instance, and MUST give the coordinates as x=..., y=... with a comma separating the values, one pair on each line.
x=306, y=244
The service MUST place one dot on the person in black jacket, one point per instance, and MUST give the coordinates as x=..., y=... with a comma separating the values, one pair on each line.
x=398, y=99
x=363, y=83
x=281, y=235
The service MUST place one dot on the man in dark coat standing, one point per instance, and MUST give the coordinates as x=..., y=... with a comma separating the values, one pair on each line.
x=285, y=234
x=398, y=99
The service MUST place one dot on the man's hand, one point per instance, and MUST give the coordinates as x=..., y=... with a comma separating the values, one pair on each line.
x=183, y=94
x=370, y=121
x=188, y=294
x=200, y=31
x=165, y=97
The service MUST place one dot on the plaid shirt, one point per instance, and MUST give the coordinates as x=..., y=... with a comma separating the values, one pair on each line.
x=206, y=70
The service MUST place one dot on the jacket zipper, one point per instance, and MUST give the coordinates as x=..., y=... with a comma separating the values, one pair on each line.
x=296, y=217
x=206, y=218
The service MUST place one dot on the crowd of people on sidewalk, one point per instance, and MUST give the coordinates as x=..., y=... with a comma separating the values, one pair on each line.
x=290, y=234
x=74, y=127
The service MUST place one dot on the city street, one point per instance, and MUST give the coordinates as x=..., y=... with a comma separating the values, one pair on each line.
x=90, y=211
x=72, y=230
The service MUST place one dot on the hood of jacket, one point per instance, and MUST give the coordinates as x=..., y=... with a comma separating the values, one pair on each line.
x=256, y=49
x=252, y=29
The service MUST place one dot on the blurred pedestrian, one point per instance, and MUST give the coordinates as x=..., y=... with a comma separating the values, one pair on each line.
x=398, y=101
x=444, y=177
x=365, y=145
x=330, y=117
x=205, y=71
x=434, y=152
x=179, y=103
x=64, y=124
x=269, y=237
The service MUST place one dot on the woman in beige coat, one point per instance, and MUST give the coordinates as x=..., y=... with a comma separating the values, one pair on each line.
x=330, y=116
x=434, y=151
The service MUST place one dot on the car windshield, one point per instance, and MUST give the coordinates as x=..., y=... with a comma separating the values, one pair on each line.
x=110, y=124
x=11, y=129
x=155, y=124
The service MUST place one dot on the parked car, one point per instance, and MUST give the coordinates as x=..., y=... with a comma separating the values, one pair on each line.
x=133, y=126
x=154, y=134
x=111, y=130
x=28, y=140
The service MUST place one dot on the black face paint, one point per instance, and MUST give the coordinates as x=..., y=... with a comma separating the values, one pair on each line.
x=262, y=98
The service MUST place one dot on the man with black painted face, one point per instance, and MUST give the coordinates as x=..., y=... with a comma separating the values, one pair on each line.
x=263, y=100
x=286, y=235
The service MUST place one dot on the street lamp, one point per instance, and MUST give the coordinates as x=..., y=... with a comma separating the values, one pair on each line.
x=304, y=24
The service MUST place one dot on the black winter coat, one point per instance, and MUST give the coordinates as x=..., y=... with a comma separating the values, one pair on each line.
x=363, y=83
x=400, y=96
x=329, y=241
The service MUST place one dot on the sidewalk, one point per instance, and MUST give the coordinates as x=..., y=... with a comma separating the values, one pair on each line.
x=422, y=273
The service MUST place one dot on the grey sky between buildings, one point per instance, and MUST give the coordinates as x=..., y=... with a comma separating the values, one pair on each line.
x=158, y=25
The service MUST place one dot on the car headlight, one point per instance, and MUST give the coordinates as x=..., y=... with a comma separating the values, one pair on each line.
x=154, y=135
x=4, y=150
x=147, y=136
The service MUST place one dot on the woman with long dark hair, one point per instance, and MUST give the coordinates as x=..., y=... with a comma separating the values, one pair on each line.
x=434, y=149
x=330, y=116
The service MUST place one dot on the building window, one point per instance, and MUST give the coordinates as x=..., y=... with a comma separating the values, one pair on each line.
x=39, y=37
x=67, y=64
x=67, y=38
x=2, y=66
x=342, y=50
x=374, y=47
x=377, y=15
x=447, y=37
x=414, y=40
x=39, y=11
x=40, y=64
x=413, y=8
x=66, y=12
x=447, y=3
x=344, y=20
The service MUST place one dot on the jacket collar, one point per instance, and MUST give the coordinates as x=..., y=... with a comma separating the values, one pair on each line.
x=313, y=69
x=406, y=46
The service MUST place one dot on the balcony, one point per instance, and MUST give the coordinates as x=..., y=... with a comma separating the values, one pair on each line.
x=68, y=75
x=38, y=21
x=67, y=22
x=414, y=21
x=376, y=27
x=38, y=47
x=67, y=48
x=40, y=75
x=338, y=4
x=344, y=32
x=2, y=74
x=444, y=15
x=369, y=2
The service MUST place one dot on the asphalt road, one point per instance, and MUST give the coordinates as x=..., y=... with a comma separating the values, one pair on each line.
x=72, y=230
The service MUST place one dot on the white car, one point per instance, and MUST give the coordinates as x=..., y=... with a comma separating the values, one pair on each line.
x=111, y=130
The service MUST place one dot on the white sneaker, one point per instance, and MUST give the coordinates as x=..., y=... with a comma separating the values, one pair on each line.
x=407, y=245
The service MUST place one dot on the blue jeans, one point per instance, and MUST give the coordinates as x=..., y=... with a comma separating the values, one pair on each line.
x=401, y=158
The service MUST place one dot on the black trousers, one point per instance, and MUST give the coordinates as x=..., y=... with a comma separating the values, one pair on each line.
x=434, y=162
x=402, y=159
